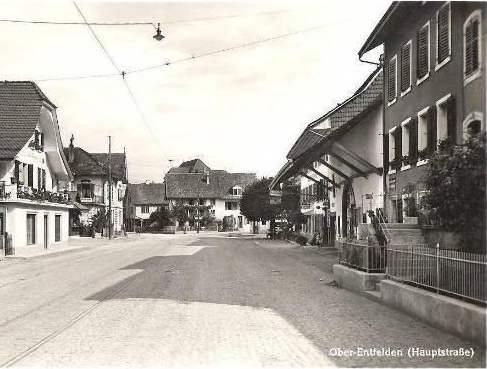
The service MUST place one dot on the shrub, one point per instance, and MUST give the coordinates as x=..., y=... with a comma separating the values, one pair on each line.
x=302, y=240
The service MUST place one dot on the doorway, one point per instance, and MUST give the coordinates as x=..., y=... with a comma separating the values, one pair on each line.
x=45, y=230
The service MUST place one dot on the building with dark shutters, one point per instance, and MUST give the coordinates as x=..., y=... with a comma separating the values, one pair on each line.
x=434, y=87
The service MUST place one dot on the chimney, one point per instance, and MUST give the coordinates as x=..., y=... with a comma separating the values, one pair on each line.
x=71, y=150
x=207, y=178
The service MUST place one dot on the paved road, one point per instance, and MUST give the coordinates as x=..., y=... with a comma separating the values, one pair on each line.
x=200, y=300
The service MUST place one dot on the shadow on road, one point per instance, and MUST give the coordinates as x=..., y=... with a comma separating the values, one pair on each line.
x=293, y=283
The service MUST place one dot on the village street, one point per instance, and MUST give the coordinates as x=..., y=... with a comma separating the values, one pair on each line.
x=199, y=300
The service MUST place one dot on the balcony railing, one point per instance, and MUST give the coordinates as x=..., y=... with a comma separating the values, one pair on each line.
x=93, y=199
x=13, y=192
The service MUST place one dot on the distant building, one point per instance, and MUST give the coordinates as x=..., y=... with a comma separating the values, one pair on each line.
x=193, y=182
x=142, y=200
x=90, y=185
x=34, y=173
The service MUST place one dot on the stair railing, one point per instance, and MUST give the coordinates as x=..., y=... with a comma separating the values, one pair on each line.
x=383, y=226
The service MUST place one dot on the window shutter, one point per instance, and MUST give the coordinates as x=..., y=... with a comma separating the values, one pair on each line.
x=423, y=45
x=39, y=178
x=398, y=148
x=413, y=141
x=42, y=139
x=443, y=33
x=391, y=90
x=431, y=130
x=471, y=47
x=385, y=154
x=43, y=179
x=36, y=138
x=450, y=120
x=30, y=175
x=406, y=67
x=17, y=171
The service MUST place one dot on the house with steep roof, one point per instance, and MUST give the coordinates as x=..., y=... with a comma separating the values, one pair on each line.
x=34, y=173
x=91, y=183
x=194, y=183
x=339, y=159
x=142, y=199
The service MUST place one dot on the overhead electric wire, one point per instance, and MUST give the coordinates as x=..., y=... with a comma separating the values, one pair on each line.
x=122, y=74
x=226, y=49
x=25, y=21
x=192, y=57
x=97, y=39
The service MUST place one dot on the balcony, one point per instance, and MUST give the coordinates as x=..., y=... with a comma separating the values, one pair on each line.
x=16, y=192
x=90, y=199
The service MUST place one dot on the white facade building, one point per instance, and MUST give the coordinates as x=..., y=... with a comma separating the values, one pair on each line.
x=34, y=175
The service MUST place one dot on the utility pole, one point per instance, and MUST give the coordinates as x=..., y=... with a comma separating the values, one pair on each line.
x=110, y=187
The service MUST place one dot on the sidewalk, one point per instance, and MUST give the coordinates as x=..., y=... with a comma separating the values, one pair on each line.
x=74, y=244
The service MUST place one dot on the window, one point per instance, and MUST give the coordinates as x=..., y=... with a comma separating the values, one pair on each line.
x=443, y=35
x=85, y=190
x=230, y=205
x=423, y=53
x=237, y=191
x=57, y=228
x=144, y=209
x=471, y=46
x=212, y=201
x=392, y=81
x=43, y=184
x=31, y=229
x=472, y=125
x=423, y=134
x=392, y=150
x=406, y=68
x=445, y=127
x=408, y=146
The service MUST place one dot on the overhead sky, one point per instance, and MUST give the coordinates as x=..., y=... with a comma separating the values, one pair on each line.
x=240, y=110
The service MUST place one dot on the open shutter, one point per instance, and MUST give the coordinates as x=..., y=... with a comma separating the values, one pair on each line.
x=30, y=175
x=391, y=74
x=443, y=33
x=413, y=141
x=39, y=178
x=423, y=46
x=406, y=67
x=385, y=154
x=43, y=179
x=17, y=171
x=431, y=130
x=450, y=120
x=398, y=148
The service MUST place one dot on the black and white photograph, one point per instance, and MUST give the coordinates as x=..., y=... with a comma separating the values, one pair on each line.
x=243, y=184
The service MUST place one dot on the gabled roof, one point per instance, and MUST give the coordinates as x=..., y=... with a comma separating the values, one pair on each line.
x=194, y=185
x=369, y=94
x=397, y=11
x=147, y=193
x=339, y=120
x=191, y=166
x=119, y=164
x=87, y=164
x=20, y=106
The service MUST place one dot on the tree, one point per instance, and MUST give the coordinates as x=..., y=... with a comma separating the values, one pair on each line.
x=455, y=195
x=256, y=205
x=161, y=218
x=255, y=202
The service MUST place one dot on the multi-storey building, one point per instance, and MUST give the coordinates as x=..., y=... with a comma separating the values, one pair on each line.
x=91, y=183
x=193, y=182
x=142, y=200
x=34, y=174
x=434, y=87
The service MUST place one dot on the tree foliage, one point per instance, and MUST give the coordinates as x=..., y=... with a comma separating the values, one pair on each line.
x=162, y=218
x=255, y=202
x=455, y=195
x=256, y=205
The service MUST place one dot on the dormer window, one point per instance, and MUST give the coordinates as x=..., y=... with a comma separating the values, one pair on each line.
x=38, y=140
x=237, y=191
